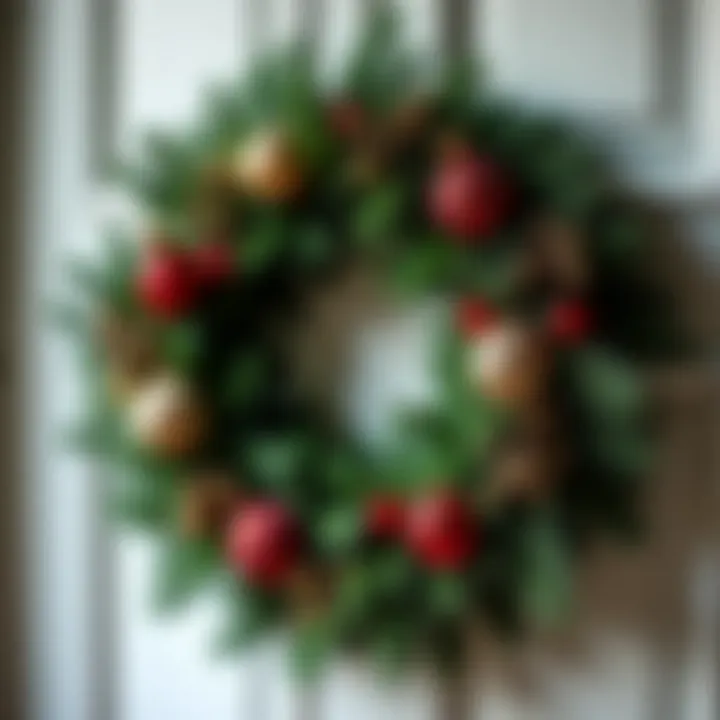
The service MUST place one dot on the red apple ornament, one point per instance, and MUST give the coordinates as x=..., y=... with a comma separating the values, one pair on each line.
x=166, y=282
x=571, y=322
x=441, y=532
x=470, y=196
x=263, y=543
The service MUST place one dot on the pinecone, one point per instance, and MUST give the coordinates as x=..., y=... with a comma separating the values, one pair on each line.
x=529, y=460
x=310, y=591
x=559, y=255
x=371, y=161
x=410, y=121
x=217, y=204
x=207, y=504
x=127, y=346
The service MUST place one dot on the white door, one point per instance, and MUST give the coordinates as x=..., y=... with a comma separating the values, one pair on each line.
x=643, y=76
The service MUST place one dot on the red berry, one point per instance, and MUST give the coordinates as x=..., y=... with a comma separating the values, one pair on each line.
x=469, y=196
x=441, y=532
x=166, y=283
x=214, y=263
x=385, y=517
x=571, y=321
x=474, y=317
x=263, y=543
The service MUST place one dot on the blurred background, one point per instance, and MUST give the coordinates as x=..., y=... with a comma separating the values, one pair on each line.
x=82, y=80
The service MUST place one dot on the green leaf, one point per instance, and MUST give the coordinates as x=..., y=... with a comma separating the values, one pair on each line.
x=379, y=214
x=354, y=595
x=340, y=530
x=460, y=85
x=608, y=386
x=621, y=239
x=182, y=345
x=546, y=581
x=262, y=249
x=393, y=574
x=244, y=381
x=625, y=451
x=427, y=268
x=277, y=462
x=448, y=595
x=251, y=614
x=315, y=245
x=345, y=472
x=494, y=274
x=184, y=569
x=392, y=648
x=144, y=505
x=374, y=75
x=311, y=647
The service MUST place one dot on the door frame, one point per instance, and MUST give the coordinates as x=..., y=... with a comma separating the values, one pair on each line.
x=52, y=608
x=14, y=62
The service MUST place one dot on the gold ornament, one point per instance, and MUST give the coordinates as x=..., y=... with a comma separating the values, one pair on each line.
x=529, y=461
x=268, y=168
x=166, y=416
x=207, y=505
x=510, y=363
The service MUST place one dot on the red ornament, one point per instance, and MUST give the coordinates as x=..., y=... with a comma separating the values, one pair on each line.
x=263, y=543
x=385, y=517
x=347, y=119
x=470, y=196
x=166, y=283
x=474, y=317
x=441, y=532
x=214, y=263
x=571, y=321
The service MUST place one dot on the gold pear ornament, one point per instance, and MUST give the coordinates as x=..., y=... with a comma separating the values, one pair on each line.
x=268, y=168
x=167, y=417
x=510, y=364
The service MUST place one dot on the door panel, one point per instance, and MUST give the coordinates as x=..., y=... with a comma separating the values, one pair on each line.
x=637, y=73
x=583, y=55
x=168, y=51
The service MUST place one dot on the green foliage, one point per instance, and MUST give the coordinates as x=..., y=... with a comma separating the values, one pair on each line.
x=383, y=600
x=546, y=569
x=183, y=570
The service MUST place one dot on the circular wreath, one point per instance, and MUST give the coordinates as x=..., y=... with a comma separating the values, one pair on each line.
x=537, y=435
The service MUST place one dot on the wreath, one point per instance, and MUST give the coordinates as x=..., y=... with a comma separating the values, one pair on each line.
x=537, y=438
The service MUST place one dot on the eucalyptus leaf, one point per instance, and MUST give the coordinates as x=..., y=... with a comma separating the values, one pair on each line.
x=183, y=570
x=547, y=585
x=340, y=530
x=608, y=386
x=277, y=462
